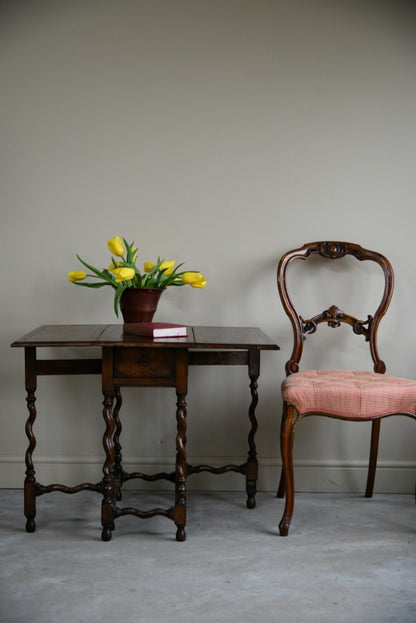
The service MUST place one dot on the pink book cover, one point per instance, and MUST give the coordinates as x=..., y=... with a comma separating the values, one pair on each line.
x=155, y=329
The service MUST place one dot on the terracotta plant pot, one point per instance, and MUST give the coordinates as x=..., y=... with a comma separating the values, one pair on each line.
x=139, y=304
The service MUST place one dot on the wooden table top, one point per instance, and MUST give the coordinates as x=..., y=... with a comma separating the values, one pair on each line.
x=112, y=335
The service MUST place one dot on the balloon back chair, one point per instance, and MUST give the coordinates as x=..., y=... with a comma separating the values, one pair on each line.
x=347, y=395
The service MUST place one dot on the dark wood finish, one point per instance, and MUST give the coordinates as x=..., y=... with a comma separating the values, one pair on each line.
x=128, y=360
x=372, y=462
x=333, y=317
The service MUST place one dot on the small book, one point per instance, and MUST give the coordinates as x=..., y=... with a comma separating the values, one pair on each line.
x=155, y=329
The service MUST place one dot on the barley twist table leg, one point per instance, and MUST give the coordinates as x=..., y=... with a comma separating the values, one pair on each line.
x=252, y=464
x=30, y=480
x=118, y=469
x=180, y=480
x=109, y=493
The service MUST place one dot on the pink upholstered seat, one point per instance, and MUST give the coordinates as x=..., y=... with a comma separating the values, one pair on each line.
x=350, y=395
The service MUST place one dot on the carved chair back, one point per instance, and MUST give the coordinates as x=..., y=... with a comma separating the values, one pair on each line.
x=334, y=316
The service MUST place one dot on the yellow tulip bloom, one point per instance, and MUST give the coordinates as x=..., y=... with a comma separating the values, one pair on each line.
x=147, y=266
x=196, y=280
x=116, y=246
x=167, y=266
x=113, y=266
x=76, y=275
x=124, y=274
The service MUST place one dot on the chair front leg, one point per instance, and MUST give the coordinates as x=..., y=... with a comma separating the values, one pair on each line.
x=287, y=435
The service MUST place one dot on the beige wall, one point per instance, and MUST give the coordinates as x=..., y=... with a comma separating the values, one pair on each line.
x=219, y=133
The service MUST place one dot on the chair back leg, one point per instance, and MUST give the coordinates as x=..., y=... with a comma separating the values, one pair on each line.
x=372, y=464
x=282, y=487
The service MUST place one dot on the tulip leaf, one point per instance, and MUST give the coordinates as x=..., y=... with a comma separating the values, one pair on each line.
x=100, y=284
x=117, y=296
x=99, y=273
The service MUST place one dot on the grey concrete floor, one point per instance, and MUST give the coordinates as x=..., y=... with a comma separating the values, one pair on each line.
x=347, y=559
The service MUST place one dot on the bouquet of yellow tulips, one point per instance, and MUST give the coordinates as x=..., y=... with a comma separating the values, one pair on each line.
x=123, y=273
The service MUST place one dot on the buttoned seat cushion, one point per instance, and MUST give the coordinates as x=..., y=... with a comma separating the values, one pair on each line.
x=349, y=394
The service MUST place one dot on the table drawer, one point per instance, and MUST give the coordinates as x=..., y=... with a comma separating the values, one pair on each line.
x=145, y=363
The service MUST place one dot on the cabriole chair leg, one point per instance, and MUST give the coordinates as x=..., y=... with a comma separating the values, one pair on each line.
x=287, y=480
